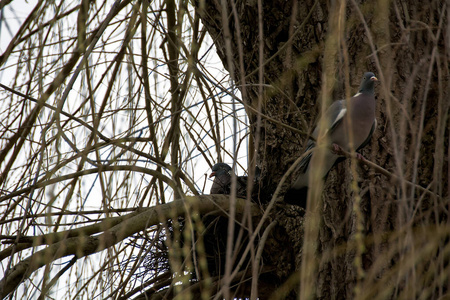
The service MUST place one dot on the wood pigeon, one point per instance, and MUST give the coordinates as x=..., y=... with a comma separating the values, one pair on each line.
x=362, y=124
x=222, y=181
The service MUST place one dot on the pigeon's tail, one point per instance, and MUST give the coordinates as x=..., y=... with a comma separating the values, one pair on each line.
x=297, y=196
x=304, y=163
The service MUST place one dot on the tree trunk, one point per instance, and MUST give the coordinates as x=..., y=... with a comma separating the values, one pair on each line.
x=314, y=50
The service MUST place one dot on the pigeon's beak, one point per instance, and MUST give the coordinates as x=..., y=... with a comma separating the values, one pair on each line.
x=212, y=174
x=373, y=78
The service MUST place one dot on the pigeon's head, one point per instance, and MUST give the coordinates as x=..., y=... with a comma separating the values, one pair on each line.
x=220, y=169
x=367, y=83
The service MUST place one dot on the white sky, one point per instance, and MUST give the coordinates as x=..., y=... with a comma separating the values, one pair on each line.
x=12, y=17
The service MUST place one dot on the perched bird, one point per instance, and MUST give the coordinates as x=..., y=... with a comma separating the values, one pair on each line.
x=222, y=181
x=362, y=124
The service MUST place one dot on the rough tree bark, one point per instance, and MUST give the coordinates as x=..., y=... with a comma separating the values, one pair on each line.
x=364, y=236
x=307, y=43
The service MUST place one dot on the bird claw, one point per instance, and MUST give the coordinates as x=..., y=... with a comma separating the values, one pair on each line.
x=359, y=156
x=337, y=149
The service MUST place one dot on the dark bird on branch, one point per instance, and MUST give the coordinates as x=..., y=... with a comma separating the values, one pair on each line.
x=355, y=118
x=222, y=181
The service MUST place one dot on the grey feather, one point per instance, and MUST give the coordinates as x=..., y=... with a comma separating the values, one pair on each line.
x=362, y=124
x=222, y=181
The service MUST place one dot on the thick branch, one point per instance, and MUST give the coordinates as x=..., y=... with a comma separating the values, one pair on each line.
x=81, y=246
